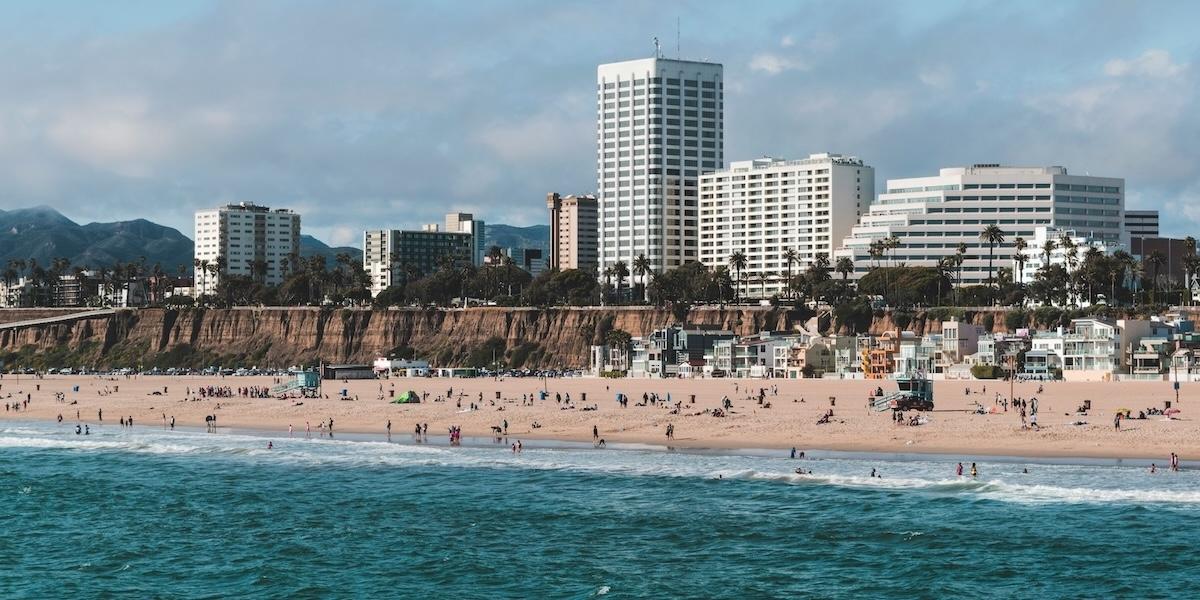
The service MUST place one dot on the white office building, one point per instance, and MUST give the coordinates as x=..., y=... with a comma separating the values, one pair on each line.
x=660, y=124
x=1061, y=253
x=931, y=216
x=252, y=241
x=766, y=206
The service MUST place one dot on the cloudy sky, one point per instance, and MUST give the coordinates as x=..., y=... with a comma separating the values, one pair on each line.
x=375, y=114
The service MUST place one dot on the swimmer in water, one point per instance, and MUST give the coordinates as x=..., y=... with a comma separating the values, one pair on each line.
x=270, y=445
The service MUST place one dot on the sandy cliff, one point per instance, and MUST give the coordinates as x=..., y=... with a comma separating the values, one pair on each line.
x=280, y=337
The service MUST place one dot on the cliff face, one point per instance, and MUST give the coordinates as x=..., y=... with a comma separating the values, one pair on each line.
x=281, y=337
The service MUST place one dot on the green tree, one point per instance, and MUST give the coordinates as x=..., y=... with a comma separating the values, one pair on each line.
x=642, y=268
x=992, y=235
x=738, y=261
x=790, y=257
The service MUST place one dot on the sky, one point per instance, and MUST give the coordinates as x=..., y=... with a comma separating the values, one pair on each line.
x=362, y=114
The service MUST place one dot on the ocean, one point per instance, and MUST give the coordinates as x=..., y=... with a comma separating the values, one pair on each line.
x=147, y=513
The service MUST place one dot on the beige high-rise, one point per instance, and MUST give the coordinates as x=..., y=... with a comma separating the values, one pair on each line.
x=574, y=232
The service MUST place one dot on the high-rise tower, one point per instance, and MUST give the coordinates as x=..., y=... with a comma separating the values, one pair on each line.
x=659, y=125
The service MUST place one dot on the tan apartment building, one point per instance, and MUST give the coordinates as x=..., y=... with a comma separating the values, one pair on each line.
x=574, y=232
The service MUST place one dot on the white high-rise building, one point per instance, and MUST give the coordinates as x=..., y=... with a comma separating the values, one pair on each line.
x=766, y=206
x=253, y=241
x=931, y=216
x=660, y=124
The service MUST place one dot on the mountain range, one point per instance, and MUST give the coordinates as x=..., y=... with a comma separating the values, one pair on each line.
x=43, y=234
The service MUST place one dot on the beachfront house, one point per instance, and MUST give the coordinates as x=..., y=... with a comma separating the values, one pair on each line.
x=918, y=355
x=959, y=340
x=1094, y=348
x=1044, y=358
x=754, y=356
x=817, y=358
x=661, y=354
x=879, y=354
x=1149, y=358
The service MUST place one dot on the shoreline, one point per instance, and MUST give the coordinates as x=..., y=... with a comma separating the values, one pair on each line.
x=559, y=443
x=787, y=415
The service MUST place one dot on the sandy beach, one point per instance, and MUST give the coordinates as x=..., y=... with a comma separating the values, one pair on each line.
x=790, y=421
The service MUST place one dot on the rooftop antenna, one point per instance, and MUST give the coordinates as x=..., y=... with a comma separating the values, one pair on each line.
x=677, y=55
x=657, y=48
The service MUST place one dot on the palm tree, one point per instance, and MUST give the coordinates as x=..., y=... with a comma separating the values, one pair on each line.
x=960, y=256
x=620, y=272
x=875, y=251
x=844, y=266
x=991, y=235
x=761, y=279
x=1020, y=245
x=1070, y=250
x=1047, y=250
x=641, y=267
x=200, y=271
x=944, y=267
x=737, y=260
x=791, y=257
x=890, y=244
x=1154, y=264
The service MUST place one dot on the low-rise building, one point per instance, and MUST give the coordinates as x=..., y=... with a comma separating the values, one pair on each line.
x=661, y=354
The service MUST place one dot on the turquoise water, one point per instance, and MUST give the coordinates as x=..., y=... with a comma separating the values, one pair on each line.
x=147, y=513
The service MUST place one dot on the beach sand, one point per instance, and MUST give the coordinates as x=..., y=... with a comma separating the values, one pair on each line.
x=952, y=428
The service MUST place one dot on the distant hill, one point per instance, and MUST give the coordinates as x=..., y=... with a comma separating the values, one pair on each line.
x=508, y=236
x=44, y=234
x=311, y=246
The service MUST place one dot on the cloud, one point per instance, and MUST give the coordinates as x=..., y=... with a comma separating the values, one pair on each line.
x=391, y=114
x=775, y=64
x=1152, y=63
x=539, y=137
x=940, y=77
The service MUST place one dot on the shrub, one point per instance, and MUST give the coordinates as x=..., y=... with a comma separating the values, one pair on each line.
x=985, y=372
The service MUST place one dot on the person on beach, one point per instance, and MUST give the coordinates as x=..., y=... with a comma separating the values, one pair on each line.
x=1153, y=468
x=959, y=470
x=974, y=471
x=595, y=432
x=389, y=428
x=793, y=453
